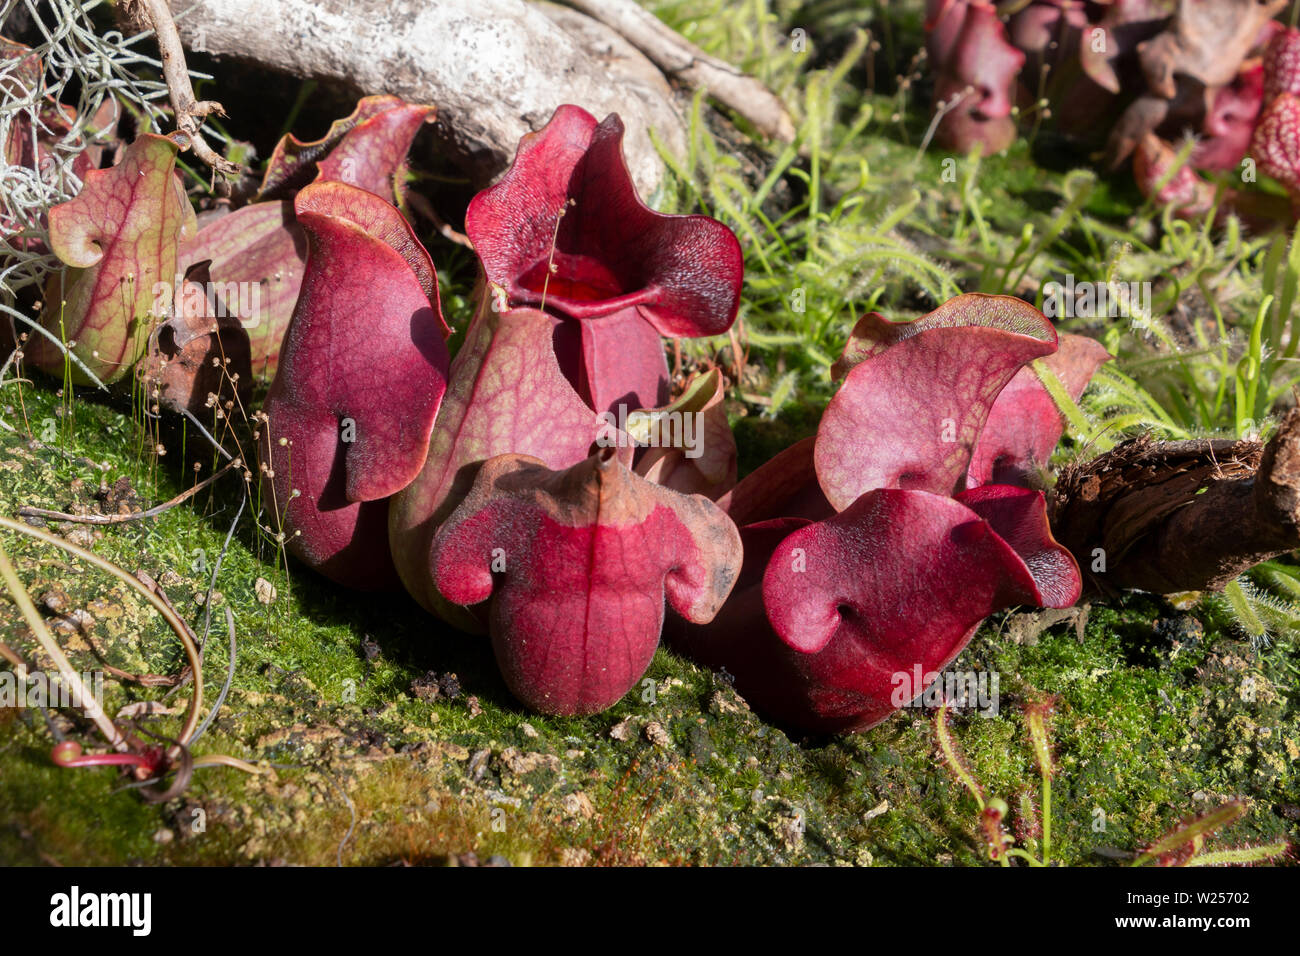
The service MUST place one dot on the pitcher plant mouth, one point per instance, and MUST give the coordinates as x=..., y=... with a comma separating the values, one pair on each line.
x=580, y=286
x=902, y=562
x=564, y=229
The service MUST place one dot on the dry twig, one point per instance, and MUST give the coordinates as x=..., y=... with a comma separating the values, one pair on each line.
x=29, y=512
x=190, y=112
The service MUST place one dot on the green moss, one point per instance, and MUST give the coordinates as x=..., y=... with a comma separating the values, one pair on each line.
x=1154, y=719
x=1146, y=729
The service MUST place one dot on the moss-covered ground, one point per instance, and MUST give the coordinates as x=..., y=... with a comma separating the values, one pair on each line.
x=395, y=741
x=387, y=739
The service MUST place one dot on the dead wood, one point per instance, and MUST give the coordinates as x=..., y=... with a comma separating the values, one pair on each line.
x=687, y=63
x=495, y=69
x=189, y=112
x=1180, y=516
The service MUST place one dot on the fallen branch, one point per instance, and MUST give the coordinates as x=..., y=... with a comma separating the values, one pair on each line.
x=425, y=209
x=189, y=112
x=80, y=693
x=175, y=758
x=687, y=63
x=495, y=69
x=1181, y=516
x=30, y=512
x=12, y=657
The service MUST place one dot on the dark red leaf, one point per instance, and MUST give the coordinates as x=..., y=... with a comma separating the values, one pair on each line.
x=1231, y=119
x=1048, y=32
x=851, y=609
x=346, y=430
x=1024, y=425
x=917, y=394
x=1019, y=517
x=622, y=363
x=976, y=67
x=367, y=149
x=1153, y=160
x=576, y=565
x=565, y=231
x=506, y=394
x=786, y=485
x=836, y=623
x=258, y=251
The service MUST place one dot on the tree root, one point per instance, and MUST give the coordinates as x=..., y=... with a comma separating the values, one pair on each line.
x=1180, y=516
x=495, y=69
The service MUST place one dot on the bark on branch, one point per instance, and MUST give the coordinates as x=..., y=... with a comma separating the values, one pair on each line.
x=495, y=69
x=1181, y=516
x=189, y=112
x=684, y=61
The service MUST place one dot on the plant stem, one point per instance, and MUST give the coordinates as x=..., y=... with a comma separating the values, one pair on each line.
x=1047, y=816
x=176, y=624
x=81, y=694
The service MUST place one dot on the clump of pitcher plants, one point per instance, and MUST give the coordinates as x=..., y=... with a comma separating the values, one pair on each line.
x=1146, y=74
x=545, y=485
